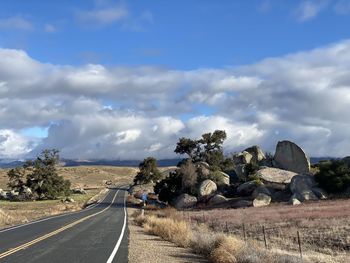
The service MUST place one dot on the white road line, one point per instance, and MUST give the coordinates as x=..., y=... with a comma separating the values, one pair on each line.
x=115, y=250
x=53, y=217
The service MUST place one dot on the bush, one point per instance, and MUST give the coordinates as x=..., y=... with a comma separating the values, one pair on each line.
x=169, y=188
x=189, y=177
x=333, y=176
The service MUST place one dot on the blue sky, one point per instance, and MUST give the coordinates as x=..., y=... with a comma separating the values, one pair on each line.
x=101, y=77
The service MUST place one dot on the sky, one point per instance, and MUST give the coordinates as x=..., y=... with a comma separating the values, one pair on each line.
x=109, y=79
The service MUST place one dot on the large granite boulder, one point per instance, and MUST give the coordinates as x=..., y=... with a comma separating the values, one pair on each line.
x=217, y=199
x=184, y=201
x=207, y=188
x=301, y=186
x=291, y=157
x=242, y=158
x=256, y=152
x=225, y=179
x=262, y=200
x=275, y=178
x=246, y=188
x=202, y=169
x=261, y=189
x=240, y=203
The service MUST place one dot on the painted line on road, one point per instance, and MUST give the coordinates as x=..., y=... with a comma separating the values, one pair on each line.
x=28, y=244
x=115, y=250
x=53, y=217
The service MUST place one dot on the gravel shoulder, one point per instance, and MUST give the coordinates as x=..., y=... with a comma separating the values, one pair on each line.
x=148, y=248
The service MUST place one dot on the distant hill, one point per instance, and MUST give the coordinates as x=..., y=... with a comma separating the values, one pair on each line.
x=125, y=163
x=70, y=163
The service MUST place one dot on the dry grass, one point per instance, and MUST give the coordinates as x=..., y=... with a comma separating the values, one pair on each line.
x=324, y=227
x=13, y=213
x=217, y=247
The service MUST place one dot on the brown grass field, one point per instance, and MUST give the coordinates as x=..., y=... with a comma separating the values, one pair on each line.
x=89, y=177
x=323, y=226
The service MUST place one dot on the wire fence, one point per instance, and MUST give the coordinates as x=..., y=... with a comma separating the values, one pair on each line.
x=329, y=240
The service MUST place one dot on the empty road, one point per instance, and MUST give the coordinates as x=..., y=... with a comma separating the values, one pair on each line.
x=96, y=234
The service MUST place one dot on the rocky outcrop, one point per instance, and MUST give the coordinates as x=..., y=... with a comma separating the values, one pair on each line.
x=242, y=158
x=291, y=157
x=184, y=201
x=320, y=193
x=202, y=169
x=246, y=188
x=275, y=178
x=241, y=171
x=3, y=195
x=262, y=200
x=217, y=199
x=207, y=188
x=240, y=203
x=302, y=187
x=261, y=189
x=256, y=153
x=225, y=180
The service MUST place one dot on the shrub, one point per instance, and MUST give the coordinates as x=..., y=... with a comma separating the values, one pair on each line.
x=333, y=176
x=189, y=176
x=168, y=188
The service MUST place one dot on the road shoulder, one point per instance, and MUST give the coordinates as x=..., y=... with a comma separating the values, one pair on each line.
x=148, y=248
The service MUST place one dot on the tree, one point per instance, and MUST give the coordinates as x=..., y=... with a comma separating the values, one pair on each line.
x=207, y=149
x=17, y=178
x=148, y=172
x=40, y=176
x=169, y=188
x=333, y=176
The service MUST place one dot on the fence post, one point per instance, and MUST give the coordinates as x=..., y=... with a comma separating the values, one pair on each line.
x=265, y=240
x=244, y=233
x=299, y=243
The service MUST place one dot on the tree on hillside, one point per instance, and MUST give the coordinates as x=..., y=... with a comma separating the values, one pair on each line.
x=40, y=175
x=207, y=149
x=148, y=172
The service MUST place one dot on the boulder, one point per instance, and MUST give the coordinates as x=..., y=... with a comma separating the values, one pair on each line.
x=185, y=201
x=281, y=196
x=294, y=200
x=262, y=200
x=217, y=199
x=275, y=178
x=69, y=200
x=79, y=190
x=206, y=188
x=204, y=164
x=242, y=158
x=225, y=179
x=261, y=189
x=291, y=157
x=320, y=193
x=247, y=188
x=301, y=186
x=256, y=152
x=3, y=194
x=241, y=171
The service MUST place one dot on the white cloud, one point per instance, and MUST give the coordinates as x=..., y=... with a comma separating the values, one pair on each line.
x=309, y=9
x=97, y=111
x=103, y=16
x=16, y=22
x=13, y=145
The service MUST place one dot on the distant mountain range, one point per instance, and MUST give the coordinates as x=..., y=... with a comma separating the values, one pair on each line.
x=69, y=163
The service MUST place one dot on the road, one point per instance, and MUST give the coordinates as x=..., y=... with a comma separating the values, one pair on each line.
x=96, y=234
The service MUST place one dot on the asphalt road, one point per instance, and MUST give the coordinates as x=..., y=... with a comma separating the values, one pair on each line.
x=97, y=234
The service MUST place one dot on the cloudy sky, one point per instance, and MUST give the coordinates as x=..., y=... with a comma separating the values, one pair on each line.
x=125, y=79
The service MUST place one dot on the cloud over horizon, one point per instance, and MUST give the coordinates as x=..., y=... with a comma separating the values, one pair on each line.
x=118, y=112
